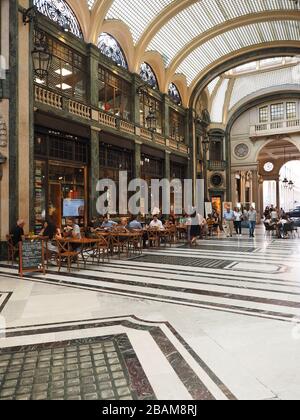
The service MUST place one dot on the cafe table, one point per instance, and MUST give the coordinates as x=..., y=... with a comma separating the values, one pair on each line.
x=123, y=239
x=83, y=246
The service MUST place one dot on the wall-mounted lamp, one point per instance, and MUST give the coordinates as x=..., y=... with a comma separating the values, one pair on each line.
x=29, y=15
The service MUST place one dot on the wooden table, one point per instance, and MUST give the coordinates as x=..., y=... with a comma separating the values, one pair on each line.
x=80, y=246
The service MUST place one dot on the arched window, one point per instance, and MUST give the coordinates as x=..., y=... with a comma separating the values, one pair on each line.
x=148, y=75
x=111, y=49
x=174, y=94
x=61, y=13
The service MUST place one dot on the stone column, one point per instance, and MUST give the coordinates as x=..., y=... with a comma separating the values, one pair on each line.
x=93, y=93
x=137, y=159
x=166, y=116
x=278, y=193
x=24, y=120
x=136, y=115
x=5, y=117
x=243, y=187
x=94, y=171
x=167, y=171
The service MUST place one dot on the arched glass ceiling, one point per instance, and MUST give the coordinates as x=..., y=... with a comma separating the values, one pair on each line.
x=249, y=84
x=237, y=39
x=205, y=15
x=137, y=14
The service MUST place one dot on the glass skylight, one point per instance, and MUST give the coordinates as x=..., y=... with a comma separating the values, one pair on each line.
x=249, y=84
x=236, y=39
x=204, y=15
x=137, y=14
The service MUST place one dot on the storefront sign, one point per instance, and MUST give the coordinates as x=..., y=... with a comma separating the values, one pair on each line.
x=32, y=256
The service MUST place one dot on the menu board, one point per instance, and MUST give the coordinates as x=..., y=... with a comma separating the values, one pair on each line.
x=32, y=256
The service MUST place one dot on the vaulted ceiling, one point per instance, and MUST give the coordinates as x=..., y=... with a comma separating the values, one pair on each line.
x=184, y=39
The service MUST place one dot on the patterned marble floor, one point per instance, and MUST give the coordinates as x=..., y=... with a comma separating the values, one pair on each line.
x=221, y=321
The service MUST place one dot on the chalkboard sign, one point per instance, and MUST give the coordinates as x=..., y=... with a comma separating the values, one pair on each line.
x=32, y=256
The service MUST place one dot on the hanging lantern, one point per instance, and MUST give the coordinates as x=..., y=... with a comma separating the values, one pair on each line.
x=291, y=185
x=41, y=56
x=285, y=183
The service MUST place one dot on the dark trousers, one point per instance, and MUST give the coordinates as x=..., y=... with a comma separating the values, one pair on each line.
x=238, y=227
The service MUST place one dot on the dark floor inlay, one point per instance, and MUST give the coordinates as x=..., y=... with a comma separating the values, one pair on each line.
x=184, y=261
x=239, y=249
x=4, y=298
x=83, y=369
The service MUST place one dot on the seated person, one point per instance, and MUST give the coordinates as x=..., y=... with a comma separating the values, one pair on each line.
x=50, y=231
x=108, y=224
x=97, y=224
x=135, y=224
x=156, y=223
x=123, y=224
x=17, y=232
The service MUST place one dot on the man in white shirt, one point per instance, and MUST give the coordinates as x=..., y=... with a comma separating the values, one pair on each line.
x=156, y=223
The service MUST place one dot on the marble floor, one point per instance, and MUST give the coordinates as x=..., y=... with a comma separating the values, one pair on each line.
x=218, y=322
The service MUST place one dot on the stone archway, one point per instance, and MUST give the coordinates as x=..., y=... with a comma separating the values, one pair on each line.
x=272, y=156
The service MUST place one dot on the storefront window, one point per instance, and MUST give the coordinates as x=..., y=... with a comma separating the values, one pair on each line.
x=114, y=94
x=148, y=103
x=60, y=178
x=177, y=125
x=68, y=71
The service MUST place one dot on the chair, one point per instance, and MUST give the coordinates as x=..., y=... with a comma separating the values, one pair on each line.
x=12, y=250
x=65, y=253
x=102, y=248
x=154, y=237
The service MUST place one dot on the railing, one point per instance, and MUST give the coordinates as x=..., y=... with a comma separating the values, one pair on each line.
x=159, y=139
x=54, y=100
x=146, y=134
x=173, y=144
x=107, y=120
x=217, y=165
x=47, y=97
x=127, y=127
x=79, y=109
x=276, y=127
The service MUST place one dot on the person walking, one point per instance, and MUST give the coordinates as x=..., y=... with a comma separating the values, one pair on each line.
x=228, y=222
x=238, y=216
x=252, y=217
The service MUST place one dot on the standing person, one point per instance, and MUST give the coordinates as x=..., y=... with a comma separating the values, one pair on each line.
x=274, y=215
x=252, y=217
x=193, y=228
x=228, y=221
x=238, y=216
x=17, y=232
